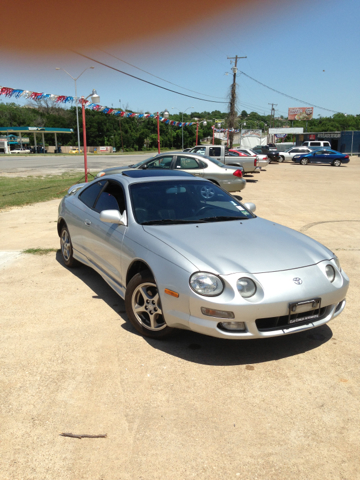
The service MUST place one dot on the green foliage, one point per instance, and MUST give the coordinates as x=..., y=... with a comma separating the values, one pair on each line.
x=136, y=134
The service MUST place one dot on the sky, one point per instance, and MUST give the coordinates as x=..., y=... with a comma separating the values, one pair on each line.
x=305, y=49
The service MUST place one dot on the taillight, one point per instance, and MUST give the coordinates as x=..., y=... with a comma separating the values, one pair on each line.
x=255, y=162
x=238, y=173
x=346, y=156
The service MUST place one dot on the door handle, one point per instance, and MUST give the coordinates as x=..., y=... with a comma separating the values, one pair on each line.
x=87, y=223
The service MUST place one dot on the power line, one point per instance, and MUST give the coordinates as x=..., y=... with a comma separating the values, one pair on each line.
x=289, y=96
x=142, y=70
x=145, y=81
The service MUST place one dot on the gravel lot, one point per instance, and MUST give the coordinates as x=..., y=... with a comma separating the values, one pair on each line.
x=190, y=407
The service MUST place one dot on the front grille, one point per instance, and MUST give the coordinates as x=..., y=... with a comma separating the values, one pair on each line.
x=274, y=323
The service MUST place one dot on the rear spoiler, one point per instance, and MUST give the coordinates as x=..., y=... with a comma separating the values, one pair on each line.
x=75, y=188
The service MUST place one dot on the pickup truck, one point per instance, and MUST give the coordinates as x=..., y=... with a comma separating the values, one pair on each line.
x=220, y=152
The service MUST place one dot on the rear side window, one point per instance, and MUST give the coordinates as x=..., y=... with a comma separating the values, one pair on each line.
x=187, y=163
x=90, y=194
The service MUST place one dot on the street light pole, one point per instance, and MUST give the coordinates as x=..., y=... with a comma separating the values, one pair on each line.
x=76, y=99
x=182, y=126
x=95, y=99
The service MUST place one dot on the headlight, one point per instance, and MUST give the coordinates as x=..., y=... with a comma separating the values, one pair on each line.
x=330, y=273
x=337, y=261
x=246, y=287
x=206, y=284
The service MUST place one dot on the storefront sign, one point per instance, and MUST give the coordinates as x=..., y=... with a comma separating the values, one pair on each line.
x=329, y=135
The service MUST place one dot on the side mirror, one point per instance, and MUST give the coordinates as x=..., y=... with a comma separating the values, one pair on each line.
x=250, y=206
x=113, y=216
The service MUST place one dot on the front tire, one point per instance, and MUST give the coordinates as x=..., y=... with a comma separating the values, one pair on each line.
x=143, y=307
x=304, y=161
x=66, y=248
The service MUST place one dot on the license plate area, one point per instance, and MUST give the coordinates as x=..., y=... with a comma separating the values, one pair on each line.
x=304, y=310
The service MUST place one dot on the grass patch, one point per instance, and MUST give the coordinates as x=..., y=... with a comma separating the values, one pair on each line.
x=40, y=251
x=18, y=191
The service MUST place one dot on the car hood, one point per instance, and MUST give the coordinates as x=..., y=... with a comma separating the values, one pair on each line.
x=248, y=246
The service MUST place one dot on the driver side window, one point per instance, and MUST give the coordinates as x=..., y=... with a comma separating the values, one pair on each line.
x=163, y=162
x=111, y=198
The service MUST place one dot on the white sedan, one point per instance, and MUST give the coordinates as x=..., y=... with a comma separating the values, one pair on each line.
x=263, y=160
x=288, y=155
x=20, y=150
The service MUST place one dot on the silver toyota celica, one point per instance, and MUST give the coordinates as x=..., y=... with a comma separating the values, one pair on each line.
x=183, y=253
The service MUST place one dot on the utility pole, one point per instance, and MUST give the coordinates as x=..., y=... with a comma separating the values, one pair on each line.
x=272, y=117
x=232, y=105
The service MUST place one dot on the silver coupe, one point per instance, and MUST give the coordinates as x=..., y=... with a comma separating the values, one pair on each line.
x=183, y=253
x=227, y=177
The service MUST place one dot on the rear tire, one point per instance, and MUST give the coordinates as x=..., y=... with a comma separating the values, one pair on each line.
x=336, y=163
x=143, y=307
x=281, y=159
x=66, y=248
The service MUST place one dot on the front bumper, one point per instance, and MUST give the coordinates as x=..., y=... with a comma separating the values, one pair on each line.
x=265, y=314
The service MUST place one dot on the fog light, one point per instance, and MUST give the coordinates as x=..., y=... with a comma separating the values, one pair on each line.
x=233, y=326
x=210, y=312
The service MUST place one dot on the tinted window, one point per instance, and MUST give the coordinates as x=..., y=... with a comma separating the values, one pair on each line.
x=90, y=194
x=214, y=151
x=315, y=144
x=111, y=198
x=187, y=163
x=106, y=202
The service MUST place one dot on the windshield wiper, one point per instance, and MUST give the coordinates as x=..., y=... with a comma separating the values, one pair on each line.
x=222, y=219
x=168, y=221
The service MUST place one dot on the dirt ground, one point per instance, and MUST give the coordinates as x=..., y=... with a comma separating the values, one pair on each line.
x=189, y=407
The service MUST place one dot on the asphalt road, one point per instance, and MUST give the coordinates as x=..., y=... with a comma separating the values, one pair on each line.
x=191, y=407
x=54, y=164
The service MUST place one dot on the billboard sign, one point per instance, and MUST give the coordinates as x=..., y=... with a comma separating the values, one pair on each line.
x=251, y=133
x=287, y=130
x=301, y=113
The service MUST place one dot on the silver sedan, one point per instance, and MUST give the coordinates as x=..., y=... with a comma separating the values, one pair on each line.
x=183, y=253
x=227, y=177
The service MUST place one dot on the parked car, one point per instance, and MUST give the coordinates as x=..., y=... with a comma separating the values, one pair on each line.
x=271, y=152
x=322, y=155
x=262, y=159
x=229, y=178
x=316, y=143
x=288, y=155
x=75, y=150
x=183, y=253
x=22, y=150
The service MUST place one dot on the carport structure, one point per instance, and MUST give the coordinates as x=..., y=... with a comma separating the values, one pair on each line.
x=35, y=130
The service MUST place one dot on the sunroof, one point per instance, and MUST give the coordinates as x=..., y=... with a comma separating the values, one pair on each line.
x=154, y=173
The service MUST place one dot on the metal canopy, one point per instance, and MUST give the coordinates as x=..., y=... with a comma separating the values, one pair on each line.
x=35, y=130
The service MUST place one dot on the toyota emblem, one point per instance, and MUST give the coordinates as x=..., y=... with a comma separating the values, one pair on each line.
x=297, y=280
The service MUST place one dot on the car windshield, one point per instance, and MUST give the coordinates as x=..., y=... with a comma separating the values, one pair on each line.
x=181, y=201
